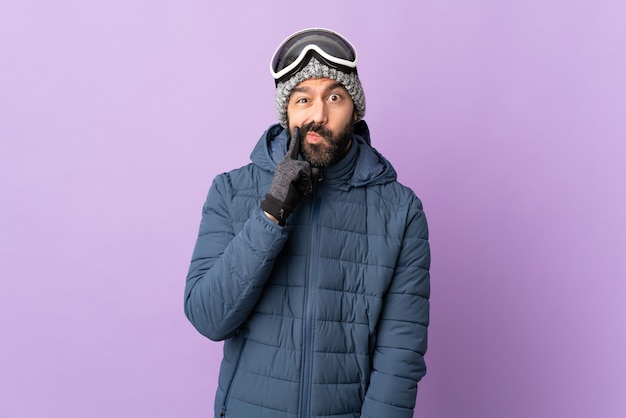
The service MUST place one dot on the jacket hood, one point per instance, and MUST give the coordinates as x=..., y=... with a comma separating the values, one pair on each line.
x=371, y=167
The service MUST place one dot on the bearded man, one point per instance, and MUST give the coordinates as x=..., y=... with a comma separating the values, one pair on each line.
x=312, y=262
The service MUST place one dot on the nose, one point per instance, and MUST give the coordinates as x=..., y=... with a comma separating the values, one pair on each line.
x=319, y=112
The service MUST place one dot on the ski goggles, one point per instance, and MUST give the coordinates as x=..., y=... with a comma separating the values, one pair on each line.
x=296, y=51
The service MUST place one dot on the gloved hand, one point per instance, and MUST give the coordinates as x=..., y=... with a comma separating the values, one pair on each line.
x=292, y=181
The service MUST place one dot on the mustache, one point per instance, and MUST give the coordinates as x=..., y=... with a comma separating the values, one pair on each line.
x=316, y=128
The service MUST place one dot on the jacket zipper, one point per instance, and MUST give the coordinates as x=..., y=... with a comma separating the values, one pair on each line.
x=235, y=368
x=309, y=310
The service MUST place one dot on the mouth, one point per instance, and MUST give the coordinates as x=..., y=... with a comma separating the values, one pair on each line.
x=313, y=137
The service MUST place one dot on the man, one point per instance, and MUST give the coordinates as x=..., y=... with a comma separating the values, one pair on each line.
x=312, y=262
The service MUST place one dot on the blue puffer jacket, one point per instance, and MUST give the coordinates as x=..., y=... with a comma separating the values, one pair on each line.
x=327, y=316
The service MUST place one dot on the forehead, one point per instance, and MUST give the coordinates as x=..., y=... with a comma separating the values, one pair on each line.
x=322, y=84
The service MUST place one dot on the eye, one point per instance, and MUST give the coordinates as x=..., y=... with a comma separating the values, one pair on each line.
x=334, y=97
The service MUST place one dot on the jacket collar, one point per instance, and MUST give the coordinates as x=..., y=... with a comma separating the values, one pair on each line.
x=363, y=165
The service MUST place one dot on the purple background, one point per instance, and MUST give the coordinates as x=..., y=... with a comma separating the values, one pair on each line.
x=507, y=118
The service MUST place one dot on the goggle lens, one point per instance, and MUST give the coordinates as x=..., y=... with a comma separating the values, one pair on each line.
x=335, y=50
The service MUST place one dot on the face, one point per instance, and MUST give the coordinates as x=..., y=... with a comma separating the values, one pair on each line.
x=323, y=110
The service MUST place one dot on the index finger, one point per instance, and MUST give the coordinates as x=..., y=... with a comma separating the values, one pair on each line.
x=294, y=145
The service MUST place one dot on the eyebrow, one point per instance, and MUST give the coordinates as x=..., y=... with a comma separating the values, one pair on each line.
x=305, y=89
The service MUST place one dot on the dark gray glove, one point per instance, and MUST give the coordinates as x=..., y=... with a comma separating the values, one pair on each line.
x=292, y=181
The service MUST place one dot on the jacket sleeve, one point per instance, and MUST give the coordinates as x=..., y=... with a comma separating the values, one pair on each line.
x=398, y=361
x=228, y=269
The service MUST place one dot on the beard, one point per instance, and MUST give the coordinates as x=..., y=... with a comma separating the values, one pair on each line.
x=327, y=152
